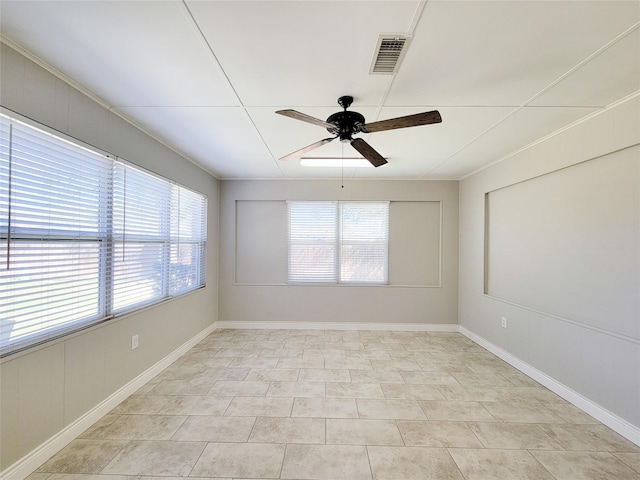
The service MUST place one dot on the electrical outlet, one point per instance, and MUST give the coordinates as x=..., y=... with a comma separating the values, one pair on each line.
x=504, y=322
x=134, y=342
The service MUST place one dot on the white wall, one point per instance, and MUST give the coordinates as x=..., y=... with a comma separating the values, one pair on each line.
x=423, y=263
x=550, y=239
x=46, y=388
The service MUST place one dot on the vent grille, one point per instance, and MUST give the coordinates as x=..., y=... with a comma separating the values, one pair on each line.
x=389, y=53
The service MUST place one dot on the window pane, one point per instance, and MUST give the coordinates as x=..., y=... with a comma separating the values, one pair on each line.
x=138, y=274
x=363, y=263
x=188, y=240
x=141, y=237
x=4, y=177
x=49, y=287
x=56, y=187
x=312, y=242
x=185, y=267
x=364, y=232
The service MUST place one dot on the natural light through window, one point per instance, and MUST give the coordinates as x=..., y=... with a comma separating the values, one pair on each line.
x=84, y=237
x=338, y=242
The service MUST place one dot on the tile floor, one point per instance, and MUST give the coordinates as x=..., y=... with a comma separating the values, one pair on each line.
x=344, y=405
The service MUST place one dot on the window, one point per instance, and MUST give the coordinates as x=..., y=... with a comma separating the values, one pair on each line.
x=338, y=242
x=84, y=237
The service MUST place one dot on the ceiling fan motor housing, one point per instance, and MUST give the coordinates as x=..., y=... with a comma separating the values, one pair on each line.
x=346, y=124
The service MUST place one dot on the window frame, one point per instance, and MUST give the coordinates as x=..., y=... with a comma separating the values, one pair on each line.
x=104, y=238
x=338, y=245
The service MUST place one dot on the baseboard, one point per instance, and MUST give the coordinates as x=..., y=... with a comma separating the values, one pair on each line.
x=400, y=327
x=619, y=425
x=29, y=463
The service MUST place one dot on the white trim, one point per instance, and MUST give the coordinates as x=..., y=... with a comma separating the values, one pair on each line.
x=401, y=327
x=30, y=462
x=619, y=425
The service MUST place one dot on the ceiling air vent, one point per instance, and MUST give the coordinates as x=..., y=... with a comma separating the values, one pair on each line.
x=388, y=55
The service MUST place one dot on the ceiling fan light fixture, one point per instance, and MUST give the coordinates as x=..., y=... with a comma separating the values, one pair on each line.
x=335, y=162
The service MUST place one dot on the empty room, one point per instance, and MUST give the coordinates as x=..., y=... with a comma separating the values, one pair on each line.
x=319, y=240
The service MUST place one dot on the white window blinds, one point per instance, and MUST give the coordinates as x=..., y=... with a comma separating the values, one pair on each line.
x=313, y=230
x=338, y=242
x=84, y=237
x=364, y=240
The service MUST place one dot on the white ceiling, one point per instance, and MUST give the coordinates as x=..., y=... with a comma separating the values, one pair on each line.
x=205, y=77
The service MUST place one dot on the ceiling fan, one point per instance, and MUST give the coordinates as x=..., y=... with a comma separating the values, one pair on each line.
x=345, y=124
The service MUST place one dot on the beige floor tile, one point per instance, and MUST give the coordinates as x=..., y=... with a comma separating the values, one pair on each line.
x=83, y=456
x=396, y=365
x=319, y=352
x=456, y=411
x=288, y=430
x=326, y=462
x=141, y=404
x=488, y=464
x=97, y=428
x=206, y=359
x=323, y=375
x=353, y=390
x=521, y=413
x=143, y=427
x=362, y=432
x=469, y=393
x=273, y=374
x=296, y=389
x=411, y=392
x=392, y=463
x=230, y=353
x=44, y=476
x=371, y=352
x=522, y=436
x=282, y=352
x=181, y=387
x=215, y=429
x=299, y=362
x=260, y=407
x=390, y=409
x=589, y=437
x=630, y=459
x=484, y=379
x=437, y=434
x=240, y=460
x=444, y=366
x=325, y=408
x=520, y=380
x=213, y=375
x=585, y=466
x=254, y=362
x=82, y=476
x=570, y=413
x=156, y=458
x=232, y=388
x=429, y=378
x=375, y=376
x=196, y=405
x=528, y=395
x=349, y=363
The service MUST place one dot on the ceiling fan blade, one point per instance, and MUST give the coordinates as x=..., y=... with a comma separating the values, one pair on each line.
x=368, y=152
x=305, y=118
x=425, y=118
x=302, y=151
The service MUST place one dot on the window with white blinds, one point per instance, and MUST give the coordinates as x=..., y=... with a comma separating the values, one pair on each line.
x=84, y=237
x=338, y=242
